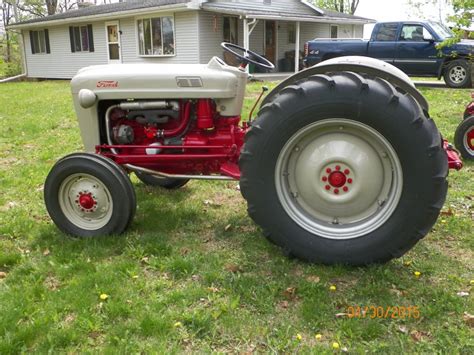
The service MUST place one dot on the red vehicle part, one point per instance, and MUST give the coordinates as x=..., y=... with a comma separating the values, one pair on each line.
x=464, y=136
x=454, y=161
x=470, y=108
x=210, y=143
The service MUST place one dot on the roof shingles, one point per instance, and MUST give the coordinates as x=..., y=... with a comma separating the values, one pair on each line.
x=244, y=7
x=105, y=10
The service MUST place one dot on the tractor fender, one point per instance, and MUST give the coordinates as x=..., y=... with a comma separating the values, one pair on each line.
x=357, y=64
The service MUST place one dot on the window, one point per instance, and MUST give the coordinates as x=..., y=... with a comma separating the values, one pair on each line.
x=334, y=31
x=81, y=39
x=414, y=33
x=39, y=41
x=156, y=36
x=387, y=32
x=231, y=30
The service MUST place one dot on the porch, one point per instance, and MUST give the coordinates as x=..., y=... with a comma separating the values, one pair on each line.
x=279, y=37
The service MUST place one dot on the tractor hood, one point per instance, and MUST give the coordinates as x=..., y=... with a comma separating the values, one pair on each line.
x=143, y=81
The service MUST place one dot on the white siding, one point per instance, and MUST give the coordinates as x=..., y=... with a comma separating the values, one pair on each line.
x=198, y=37
x=187, y=47
x=61, y=63
x=211, y=35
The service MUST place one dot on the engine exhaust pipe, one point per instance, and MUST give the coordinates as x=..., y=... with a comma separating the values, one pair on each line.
x=149, y=105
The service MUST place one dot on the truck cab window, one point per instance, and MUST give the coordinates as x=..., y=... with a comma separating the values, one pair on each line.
x=387, y=32
x=414, y=33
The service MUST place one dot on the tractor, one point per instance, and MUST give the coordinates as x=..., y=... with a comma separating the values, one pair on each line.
x=464, y=136
x=342, y=165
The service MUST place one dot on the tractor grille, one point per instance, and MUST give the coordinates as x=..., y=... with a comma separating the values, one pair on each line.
x=190, y=82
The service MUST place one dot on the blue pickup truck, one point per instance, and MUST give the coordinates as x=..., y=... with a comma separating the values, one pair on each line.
x=410, y=46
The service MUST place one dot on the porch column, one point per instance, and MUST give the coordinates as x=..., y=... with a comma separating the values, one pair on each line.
x=297, y=48
x=246, y=34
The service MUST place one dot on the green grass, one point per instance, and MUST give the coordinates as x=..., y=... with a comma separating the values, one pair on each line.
x=3, y=69
x=180, y=281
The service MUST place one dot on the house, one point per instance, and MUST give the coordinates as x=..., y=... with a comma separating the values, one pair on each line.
x=176, y=31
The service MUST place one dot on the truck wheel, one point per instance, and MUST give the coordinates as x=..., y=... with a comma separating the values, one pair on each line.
x=458, y=74
x=170, y=184
x=464, y=138
x=344, y=169
x=88, y=195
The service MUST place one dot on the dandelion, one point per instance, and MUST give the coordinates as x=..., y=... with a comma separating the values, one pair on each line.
x=335, y=346
x=318, y=337
x=104, y=297
x=417, y=274
x=333, y=288
x=299, y=337
x=178, y=325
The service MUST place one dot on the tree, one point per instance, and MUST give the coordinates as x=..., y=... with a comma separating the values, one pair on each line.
x=346, y=6
x=463, y=16
x=7, y=17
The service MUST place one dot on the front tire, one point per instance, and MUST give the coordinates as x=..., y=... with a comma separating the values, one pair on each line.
x=344, y=169
x=457, y=74
x=464, y=138
x=88, y=195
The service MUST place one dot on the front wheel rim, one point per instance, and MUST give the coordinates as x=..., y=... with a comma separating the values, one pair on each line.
x=338, y=179
x=85, y=201
x=468, y=141
x=457, y=74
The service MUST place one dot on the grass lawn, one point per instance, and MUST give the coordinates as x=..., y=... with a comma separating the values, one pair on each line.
x=194, y=273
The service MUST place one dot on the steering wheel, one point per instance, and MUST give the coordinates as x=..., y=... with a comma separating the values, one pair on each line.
x=247, y=56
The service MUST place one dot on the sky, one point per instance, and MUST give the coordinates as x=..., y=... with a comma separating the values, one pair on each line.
x=397, y=10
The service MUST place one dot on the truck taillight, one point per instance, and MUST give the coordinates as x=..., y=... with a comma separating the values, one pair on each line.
x=306, y=49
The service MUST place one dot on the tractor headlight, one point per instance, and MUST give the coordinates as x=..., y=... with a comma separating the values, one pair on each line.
x=87, y=98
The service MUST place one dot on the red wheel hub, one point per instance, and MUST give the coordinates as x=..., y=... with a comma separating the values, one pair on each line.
x=470, y=138
x=86, y=201
x=337, y=179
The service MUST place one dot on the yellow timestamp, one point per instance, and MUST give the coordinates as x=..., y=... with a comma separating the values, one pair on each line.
x=384, y=312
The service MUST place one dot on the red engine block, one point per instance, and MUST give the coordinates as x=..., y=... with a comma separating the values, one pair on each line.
x=202, y=142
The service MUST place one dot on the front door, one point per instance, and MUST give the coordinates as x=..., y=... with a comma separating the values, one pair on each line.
x=270, y=41
x=416, y=51
x=112, y=31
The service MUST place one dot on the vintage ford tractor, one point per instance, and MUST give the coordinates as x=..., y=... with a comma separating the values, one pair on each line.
x=464, y=137
x=342, y=165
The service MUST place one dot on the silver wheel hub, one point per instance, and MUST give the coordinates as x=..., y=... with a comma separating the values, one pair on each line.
x=457, y=74
x=85, y=201
x=338, y=179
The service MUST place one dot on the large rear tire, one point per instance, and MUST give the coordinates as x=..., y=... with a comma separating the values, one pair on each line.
x=344, y=169
x=88, y=195
x=464, y=138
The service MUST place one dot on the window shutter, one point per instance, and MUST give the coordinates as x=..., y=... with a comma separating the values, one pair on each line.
x=71, y=38
x=91, y=38
x=32, y=42
x=46, y=40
